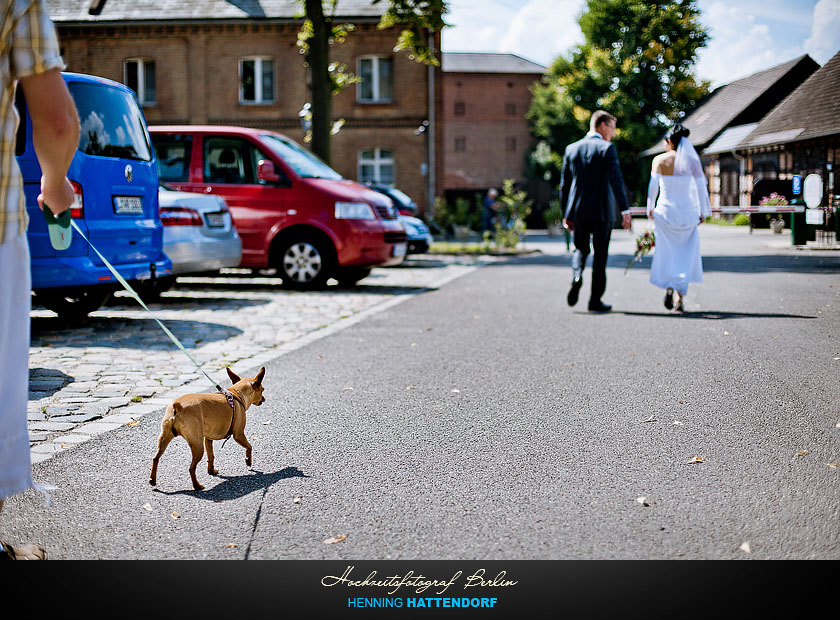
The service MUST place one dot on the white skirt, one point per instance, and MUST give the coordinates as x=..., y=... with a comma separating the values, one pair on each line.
x=15, y=304
x=676, y=253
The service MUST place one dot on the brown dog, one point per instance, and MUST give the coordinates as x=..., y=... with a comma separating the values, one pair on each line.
x=201, y=418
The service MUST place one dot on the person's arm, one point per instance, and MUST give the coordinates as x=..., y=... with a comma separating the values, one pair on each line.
x=565, y=185
x=55, y=135
x=617, y=183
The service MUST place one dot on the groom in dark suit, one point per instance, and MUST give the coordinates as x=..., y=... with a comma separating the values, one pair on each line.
x=591, y=183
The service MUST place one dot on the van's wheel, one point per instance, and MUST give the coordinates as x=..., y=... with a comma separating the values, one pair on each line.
x=350, y=276
x=73, y=304
x=305, y=263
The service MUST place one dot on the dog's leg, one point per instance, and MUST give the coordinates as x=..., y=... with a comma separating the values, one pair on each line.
x=208, y=447
x=197, y=448
x=239, y=437
x=165, y=437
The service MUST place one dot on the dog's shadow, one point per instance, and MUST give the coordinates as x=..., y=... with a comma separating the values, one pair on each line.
x=234, y=487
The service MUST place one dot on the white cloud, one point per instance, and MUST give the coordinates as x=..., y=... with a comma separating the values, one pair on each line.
x=824, y=41
x=740, y=44
x=544, y=29
x=539, y=30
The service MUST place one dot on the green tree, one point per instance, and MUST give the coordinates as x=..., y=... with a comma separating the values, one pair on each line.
x=413, y=19
x=637, y=62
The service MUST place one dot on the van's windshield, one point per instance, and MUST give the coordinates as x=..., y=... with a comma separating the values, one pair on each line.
x=304, y=163
x=112, y=124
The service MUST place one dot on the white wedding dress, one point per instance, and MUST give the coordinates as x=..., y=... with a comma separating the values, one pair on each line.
x=678, y=202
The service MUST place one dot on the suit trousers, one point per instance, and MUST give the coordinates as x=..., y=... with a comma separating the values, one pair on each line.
x=599, y=234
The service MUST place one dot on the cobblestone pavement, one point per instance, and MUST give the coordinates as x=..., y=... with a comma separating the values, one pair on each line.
x=119, y=365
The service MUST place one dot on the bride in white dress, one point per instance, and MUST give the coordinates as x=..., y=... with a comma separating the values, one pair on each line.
x=678, y=202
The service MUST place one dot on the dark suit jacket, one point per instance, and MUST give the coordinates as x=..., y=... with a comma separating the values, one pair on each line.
x=591, y=182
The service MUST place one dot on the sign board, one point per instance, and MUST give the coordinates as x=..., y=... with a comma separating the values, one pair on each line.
x=797, y=185
x=814, y=217
x=813, y=190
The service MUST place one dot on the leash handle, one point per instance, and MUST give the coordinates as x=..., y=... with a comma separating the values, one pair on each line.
x=134, y=294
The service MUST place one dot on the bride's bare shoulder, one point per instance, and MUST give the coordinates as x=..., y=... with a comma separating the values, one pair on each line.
x=664, y=162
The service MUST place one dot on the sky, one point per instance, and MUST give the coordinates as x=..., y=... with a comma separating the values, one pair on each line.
x=747, y=35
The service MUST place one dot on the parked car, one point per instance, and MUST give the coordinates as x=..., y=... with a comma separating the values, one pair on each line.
x=402, y=201
x=419, y=237
x=417, y=233
x=116, y=184
x=292, y=211
x=198, y=236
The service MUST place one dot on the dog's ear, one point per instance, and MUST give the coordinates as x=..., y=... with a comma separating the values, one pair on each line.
x=233, y=376
x=258, y=379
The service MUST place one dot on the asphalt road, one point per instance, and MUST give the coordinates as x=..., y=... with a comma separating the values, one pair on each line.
x=487, y=420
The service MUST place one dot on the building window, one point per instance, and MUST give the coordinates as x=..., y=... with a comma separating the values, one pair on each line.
x=140, y=77
x=460, y=144
x=510, y=144
x=460, y=108
x=510, y=109
x=377, y=85
x=256, y=80
x=376, y=166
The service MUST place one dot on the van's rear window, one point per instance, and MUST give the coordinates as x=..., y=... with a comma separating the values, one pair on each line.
x=112, y=124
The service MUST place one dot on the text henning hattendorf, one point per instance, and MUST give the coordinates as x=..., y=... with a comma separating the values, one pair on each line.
x=420, y=582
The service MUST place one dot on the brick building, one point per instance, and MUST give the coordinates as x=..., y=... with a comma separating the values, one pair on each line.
x=800, y=136
x=220, y=62
x=730, y=113
x=485, y=134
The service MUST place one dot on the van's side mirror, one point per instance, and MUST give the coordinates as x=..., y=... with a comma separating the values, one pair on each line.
x=266, y=172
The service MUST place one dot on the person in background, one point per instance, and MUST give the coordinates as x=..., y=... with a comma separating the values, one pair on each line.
x=488, y=212
x=29, y=58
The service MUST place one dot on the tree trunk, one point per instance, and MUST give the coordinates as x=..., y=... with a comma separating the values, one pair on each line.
x=321, y=83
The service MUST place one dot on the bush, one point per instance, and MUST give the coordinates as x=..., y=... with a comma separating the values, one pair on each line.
x=510, y=220
x=742, y=219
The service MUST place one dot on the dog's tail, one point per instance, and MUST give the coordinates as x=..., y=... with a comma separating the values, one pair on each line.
x=169, y=421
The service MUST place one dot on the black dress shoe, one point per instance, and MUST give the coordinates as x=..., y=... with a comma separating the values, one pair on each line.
x=599, y=307
x=572, y=297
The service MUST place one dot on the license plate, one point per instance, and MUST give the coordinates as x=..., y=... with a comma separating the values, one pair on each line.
x=215, y=220
x=399, y=249
x=128, y=205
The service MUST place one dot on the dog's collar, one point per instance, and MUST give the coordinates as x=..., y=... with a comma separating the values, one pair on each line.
x=232, y=396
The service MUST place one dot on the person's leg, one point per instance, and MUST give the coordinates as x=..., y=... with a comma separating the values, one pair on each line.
x=600, y=252
x=15, y=303
x=581, y=240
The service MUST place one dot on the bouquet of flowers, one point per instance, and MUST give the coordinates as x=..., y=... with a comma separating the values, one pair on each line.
x=644, y=244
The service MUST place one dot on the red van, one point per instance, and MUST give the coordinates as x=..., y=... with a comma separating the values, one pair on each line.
x=292, y=211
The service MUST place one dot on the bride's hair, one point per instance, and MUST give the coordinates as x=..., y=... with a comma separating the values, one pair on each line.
x=677, y=133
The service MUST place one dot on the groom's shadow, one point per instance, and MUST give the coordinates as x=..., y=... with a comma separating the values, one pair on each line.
x=234, y=487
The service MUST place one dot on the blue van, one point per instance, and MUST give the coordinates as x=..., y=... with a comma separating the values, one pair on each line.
x=115, y=179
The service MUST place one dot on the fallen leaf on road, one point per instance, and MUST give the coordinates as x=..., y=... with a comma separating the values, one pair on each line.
x=832, y=465
x=454, y=391
x=745, y=547
x=135, y=423
x=697, y=459
x=678, y=423
x=176, y=516
x=267, y=422
x=643, y=501
x=334, y=539
x=297, y=500
x=413, y=344
x=652, y=418
x=802, y=453
x=347, y=389
x=232, y=545
x=147, y=506
x=411, y=387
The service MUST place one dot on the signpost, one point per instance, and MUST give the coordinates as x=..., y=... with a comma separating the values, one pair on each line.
x=797, y=185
